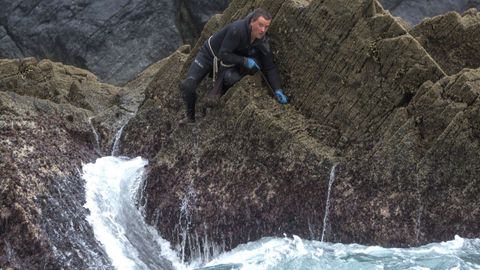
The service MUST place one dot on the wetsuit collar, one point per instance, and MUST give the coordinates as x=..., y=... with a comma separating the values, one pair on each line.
x=249, y=28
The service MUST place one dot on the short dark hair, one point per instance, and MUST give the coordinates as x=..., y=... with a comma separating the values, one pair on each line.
x=260, y=12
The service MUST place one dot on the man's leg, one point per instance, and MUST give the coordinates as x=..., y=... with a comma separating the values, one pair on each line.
x=199, y=68
x=230, y=77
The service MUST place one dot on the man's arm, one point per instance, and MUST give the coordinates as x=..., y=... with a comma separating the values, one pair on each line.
x=270, y=70
x=230, y=43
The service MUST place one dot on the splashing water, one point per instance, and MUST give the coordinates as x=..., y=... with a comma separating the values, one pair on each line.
x=291, y=254
x=111, y=188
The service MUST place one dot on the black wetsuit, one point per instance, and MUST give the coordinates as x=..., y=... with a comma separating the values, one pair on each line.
x=231, y=45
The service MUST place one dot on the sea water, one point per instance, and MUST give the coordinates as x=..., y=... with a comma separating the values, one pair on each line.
x=112, y=186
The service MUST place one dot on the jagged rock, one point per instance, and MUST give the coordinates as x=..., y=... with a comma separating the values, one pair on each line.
x=111, y=106
x=110, y=122
x=418, y=181
x=252, y=168
x=367, y=100
x=114, y=39
x=414, y=11
x=453, y=40
x=56, y=82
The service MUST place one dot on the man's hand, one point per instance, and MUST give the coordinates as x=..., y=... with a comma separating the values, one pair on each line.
x=251, y=64
x=281, y=96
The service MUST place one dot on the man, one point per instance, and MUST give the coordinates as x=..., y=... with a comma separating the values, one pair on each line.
x=238, y=49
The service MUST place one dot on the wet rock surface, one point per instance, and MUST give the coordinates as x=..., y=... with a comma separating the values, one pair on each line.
x=46, y=134
x=370, y=98
x=42, y=219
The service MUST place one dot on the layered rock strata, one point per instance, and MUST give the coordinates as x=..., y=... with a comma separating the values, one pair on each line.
x=360, y=86
x=453, y=40
x=369, y=101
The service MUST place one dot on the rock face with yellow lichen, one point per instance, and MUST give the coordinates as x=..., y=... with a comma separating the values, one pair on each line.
x=375, y=105
x=367, y=101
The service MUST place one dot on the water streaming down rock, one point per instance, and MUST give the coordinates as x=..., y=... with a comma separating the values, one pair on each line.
x=111, y=188
x=116, y=141
x=96, y=136
x=112, y=184
x=418, y=223
x=186, y=219
x=194, y=247
x=118, y=134
x=327, y=203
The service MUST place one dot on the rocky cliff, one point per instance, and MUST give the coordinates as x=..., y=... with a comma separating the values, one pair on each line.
x=49, y=126
x=368, y=102
x=114, y=39
x=375, y=107
x=118, y=39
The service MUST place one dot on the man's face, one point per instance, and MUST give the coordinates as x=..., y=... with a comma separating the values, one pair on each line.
x=259, y=27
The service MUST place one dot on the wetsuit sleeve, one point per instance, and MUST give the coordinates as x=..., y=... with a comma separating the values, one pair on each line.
x=270, y=70
x=229, y=45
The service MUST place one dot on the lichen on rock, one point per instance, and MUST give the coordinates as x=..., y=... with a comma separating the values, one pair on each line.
x=357, y=80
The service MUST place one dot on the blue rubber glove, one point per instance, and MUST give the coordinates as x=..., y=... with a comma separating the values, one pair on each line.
x=251, y=64
x=281, y=96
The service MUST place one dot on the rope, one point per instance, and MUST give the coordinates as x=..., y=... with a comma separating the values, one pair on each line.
x=216, y=61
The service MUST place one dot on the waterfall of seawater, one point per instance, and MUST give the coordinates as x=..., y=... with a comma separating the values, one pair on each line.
x=116, y=141
x=197, y=246
x=327, y=202
x=95, y=134
x=118, y=135
x=111, y=188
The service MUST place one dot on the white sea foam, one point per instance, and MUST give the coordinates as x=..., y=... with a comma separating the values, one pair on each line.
x=111, y=188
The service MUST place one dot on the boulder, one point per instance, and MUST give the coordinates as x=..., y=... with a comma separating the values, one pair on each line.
x=452, y=40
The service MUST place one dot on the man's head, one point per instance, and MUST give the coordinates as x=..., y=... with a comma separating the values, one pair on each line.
x=260, y=22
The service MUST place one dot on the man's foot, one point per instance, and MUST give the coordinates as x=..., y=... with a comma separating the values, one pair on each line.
x=187, y=120
x=212, y=101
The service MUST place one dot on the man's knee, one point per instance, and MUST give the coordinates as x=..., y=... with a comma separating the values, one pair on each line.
x=231, y=77
x=187, y=87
